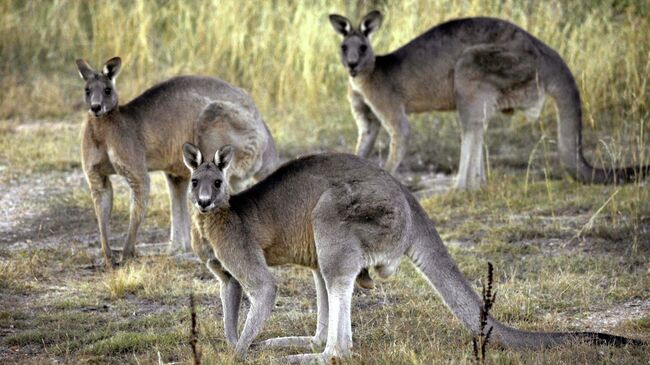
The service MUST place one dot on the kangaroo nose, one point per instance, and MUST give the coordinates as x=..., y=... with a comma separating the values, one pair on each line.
x=352, y=65
x=203, y=203
x=95, y=108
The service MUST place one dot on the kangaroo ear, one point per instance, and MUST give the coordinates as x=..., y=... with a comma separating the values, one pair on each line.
x=223, y=156
x=85, y=71
x=341, y=24
x=192, y=156
x=371, y=22
x=112, y=68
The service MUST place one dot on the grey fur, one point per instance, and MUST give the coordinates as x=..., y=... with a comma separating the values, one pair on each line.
x=335, y=214
x=147, y=133
x=477, y=66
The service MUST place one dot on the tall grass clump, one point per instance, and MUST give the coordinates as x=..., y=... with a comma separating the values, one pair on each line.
x=285, y=53
x=144, y=279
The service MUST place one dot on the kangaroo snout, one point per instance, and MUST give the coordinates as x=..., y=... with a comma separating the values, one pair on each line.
x=96, y=108
x=203, y=203
x=352, y=67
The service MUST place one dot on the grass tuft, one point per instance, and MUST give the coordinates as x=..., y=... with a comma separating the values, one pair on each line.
x=152, y=279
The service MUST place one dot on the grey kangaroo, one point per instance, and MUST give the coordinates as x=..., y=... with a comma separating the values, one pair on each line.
x=335, y=214
x=478, y=66
x=147, y=135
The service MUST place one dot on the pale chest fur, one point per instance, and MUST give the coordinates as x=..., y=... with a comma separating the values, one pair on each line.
x=373, y=92
x=217, y=229
x=209, y=226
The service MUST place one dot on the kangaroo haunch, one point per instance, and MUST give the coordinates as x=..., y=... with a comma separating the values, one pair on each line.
x=336, y=214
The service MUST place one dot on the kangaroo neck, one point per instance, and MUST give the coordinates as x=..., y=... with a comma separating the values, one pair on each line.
x=109, y=119
x=103, y=125
x=366, y=79
x=362, y=81
x=219, y=222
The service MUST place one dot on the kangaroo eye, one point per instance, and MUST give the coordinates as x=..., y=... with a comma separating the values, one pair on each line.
x=344, y=48
x=217, y=184
x=195, y=182
x=107, y=91
x=363, y=48
x=87, y=92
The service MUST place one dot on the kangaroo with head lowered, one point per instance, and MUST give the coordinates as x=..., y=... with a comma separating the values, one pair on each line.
x=147, y=134
x=335, y=214
x=478, y=66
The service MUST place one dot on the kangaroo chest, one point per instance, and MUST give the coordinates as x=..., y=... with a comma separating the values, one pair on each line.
x=128, y=149
x=279, y=243
x=415, y=94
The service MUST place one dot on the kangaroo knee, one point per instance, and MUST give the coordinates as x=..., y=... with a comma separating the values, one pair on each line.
x=217, y=270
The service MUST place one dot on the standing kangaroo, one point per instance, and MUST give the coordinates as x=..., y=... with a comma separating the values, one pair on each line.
x=478, y=66
x=147, y=135
x=335, y=214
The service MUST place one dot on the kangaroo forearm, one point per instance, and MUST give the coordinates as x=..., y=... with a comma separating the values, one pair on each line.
x=231, y=294
x=101, y=192
x=262, y=300
x=139, y=194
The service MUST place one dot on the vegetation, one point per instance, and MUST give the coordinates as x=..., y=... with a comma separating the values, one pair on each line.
x=285, y=54
x=567, y=256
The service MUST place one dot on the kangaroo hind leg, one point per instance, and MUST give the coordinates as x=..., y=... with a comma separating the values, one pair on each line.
x=180, y=217
x=483, y=75
x=308, y=342
x=340, y=259
x=475, y=110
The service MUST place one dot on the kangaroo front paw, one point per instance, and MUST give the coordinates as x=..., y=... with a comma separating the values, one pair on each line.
x=178, y=247
x=110, y=259
x=111, y=262
x=128, y=253
x=307, y=359
x=304, y=342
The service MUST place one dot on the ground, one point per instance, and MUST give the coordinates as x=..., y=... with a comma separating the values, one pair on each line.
x=567, y=257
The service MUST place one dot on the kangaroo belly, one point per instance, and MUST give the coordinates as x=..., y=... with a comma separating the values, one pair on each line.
x=422, y=106
x=292, y=245
x=164, y=147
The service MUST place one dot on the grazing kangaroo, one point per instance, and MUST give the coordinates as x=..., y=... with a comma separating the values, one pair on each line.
x=335, y=214
x=147, y=135
x=478, y=66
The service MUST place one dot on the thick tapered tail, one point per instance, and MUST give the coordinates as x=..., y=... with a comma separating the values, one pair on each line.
x=562, y=87
x=429, y=254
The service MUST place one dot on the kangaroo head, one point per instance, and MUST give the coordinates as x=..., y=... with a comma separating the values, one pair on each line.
x=208, y=185
x=356, y=51
x=101, y=96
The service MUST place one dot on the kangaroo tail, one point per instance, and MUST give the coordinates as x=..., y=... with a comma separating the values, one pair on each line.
x=430, y=256
x=562, y=87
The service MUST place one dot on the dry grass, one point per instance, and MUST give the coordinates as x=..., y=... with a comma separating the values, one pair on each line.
x=401, y=321
x=547, y=278
x=19, y=272
x=286, y=54
x=562, y=251
x=154, y=279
